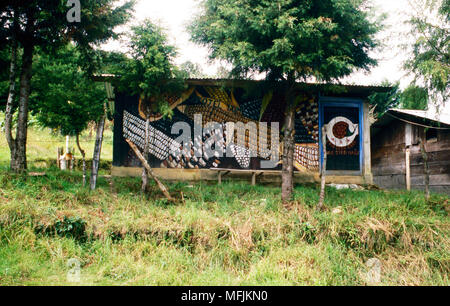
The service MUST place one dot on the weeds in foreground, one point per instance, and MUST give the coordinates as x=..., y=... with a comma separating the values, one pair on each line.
x=233, y=234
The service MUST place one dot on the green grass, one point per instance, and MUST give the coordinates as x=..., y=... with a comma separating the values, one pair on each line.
x=42, y=145
x=233, y=234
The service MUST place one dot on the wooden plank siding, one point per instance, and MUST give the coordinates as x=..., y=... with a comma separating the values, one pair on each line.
x=389, y=164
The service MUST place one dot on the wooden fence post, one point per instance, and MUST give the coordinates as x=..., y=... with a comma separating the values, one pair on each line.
x=408, y=168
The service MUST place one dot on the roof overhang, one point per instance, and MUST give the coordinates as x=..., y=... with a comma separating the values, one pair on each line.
x=414, y=117
x=338, y=90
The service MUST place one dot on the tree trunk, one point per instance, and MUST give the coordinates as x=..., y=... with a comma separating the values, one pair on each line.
x=149, y=170
x=11, y=96
x=83, y=156
x=324, y=168
x=12, y=91
x=97, y=151
x=288, y=154
x=18, y=155
x=425, y=168
x=144, y=172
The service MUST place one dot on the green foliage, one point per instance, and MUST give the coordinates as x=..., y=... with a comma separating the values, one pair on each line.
x=192, y=70
x=48, y=30
x=51, y=29
x=291, y=39
x=4, y=75
x=430, y=58
x=383, y=101
x=64, y=97
x=112, y=62
x=414, y=97
x=69, y=227
x=151, y=73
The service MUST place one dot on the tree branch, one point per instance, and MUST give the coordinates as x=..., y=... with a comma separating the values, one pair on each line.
x=149, y=170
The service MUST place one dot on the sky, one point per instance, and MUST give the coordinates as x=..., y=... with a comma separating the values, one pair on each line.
x=174, y=15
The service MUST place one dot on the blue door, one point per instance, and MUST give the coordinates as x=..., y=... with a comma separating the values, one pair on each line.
x=344, y=138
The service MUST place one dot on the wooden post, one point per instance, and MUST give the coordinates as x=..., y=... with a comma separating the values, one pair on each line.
x=324, y=168
x=253, y=178
x=58, y=157
x=425, y=166
x=67, y=144
x=83, y=156
x=97, y=152
x=149, y=170
x=220, y=178
x=144, y=171
x=408, y=168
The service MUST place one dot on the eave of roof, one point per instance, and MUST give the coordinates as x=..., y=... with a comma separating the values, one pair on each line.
x=424, y=114
x=415, y=117
x=326, y=89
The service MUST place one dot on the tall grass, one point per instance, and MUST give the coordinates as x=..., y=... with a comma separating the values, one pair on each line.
x=233, y=234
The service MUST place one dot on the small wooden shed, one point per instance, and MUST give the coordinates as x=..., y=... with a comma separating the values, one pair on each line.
x=397, y=160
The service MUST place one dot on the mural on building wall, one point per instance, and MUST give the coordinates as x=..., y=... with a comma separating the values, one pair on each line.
x=224, y=106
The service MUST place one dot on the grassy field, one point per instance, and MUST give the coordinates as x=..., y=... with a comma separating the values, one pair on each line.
x=42, y=146
x=233, y=234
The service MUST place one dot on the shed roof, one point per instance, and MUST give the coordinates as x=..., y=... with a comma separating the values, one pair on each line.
x=442, y=118
x=415, y=117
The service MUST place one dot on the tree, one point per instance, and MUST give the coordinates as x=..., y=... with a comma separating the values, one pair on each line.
x=152, y=75
x=111, y=63
x=192, y=70
x=430, y=56
x=5, y=59
x=414, y=97
x=32, y=24
x=64, y=97
x=383, y=101
x=288, y=41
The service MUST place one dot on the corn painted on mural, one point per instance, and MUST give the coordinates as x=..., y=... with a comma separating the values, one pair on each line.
x=200, y=105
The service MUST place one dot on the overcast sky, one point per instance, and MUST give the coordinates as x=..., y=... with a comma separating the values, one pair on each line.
x=174, y=15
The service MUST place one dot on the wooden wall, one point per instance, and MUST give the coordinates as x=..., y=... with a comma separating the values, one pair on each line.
x=388, y=158
x=438, y=161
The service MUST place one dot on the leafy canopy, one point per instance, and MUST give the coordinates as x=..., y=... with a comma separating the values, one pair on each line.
x=430, y=58
x=151, y=73
x=192, y=70
x=64, y=97
x=296, y=39
x=44, y=24
x=383, y=101
x=414, y=97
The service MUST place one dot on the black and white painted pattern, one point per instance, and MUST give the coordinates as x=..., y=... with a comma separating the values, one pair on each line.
x=160, y=145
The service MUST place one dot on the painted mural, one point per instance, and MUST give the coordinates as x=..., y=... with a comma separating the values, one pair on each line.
x=225, y=106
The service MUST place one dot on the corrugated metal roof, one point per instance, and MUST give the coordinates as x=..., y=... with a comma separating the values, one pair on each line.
x=353, y=86
x=417, y=117
x=360, y=91
x=442, y=118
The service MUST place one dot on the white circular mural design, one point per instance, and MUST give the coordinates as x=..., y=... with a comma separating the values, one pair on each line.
x=341, y=132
